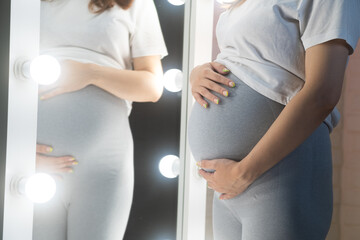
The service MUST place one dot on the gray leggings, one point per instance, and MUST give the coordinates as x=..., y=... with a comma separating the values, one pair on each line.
x=93, y=203
x=292, y=200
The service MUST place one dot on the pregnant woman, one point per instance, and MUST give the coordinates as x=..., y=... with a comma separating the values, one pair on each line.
x=110, y=53
x=260, y=132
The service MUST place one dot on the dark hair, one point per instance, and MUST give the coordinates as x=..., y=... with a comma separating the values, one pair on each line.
x=99, y=6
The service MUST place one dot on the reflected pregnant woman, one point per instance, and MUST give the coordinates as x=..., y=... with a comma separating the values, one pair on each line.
x=260, y=130
x=110, y=54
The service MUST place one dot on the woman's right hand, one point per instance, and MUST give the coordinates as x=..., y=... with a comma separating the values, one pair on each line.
x=50, y=164
x=208, y=77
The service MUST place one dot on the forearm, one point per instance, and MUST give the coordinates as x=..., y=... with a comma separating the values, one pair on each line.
x=133, y=85
x=303, y=114
x=325, y=69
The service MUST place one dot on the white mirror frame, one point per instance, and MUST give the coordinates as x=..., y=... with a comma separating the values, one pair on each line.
x=198, y=34
x=22, y=118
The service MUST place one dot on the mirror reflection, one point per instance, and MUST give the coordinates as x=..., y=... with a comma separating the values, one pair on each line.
x=110, y=55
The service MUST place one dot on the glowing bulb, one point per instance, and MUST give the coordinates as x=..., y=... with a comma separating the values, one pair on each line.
x=39, y=188
x=177, y=2
x=173, y=80
x=169, y=166
x=44, y=69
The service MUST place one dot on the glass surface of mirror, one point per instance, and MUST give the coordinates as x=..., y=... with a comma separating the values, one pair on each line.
x=86, y=137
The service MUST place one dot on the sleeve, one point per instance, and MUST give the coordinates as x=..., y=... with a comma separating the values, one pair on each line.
x=325, y=20
x=147, y=38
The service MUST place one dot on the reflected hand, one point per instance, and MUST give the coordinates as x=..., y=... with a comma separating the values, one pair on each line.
x=230, y=178
x=74, y=76
x=207, y=77
x=49, y=164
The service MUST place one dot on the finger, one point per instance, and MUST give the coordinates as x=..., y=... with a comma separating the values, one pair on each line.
x=214, y=76
x=215, y=87
x=43, y=165
x=66, y=165
x=200, y=100
x=40, y=148
x=208, y=176
x=208, y=164
x=65, y=161
x=53, y=164
x=226, y=196
x=207, y=94
x=215, y=187
x=218, y=67
x=210, y=185
x=52, y=93
x=40, y=159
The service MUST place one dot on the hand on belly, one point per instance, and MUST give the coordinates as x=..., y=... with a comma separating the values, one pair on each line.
x=50, y=164
x=207, y=79
x=228, y=178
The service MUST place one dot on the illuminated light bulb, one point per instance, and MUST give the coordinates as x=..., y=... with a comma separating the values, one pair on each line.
x=173, y=80
x=169, y=166
x=177, y=2
x=39, y=188
x=44, y=69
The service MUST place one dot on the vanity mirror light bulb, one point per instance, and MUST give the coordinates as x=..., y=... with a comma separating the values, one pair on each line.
x=173, y=80
x=39, y=188
x=169, y=166
x=44, y=69
x=177, y=2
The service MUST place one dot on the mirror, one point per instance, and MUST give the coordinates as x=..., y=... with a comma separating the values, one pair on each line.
x=90, y=126
x=154, y=210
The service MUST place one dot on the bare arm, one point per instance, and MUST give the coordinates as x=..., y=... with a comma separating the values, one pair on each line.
x=143, y=84
x=325, y=67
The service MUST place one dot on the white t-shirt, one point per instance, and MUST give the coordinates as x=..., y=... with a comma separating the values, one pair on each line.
x=263, y=42
x=113, y=38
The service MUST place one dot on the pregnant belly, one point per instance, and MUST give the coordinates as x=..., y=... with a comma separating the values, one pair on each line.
x=84, y=123
x=232, y=128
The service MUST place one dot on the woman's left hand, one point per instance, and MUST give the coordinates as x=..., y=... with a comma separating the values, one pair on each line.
x=74, y=76
x=230, y=177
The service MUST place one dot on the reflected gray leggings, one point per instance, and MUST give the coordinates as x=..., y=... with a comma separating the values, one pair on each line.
x=292, y=200
x=93, y=203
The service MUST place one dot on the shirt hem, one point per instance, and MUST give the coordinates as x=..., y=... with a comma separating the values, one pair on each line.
x=331, y=120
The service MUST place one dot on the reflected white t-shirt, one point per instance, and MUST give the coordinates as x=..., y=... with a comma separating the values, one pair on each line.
x=113, y=38
x=263, y=42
